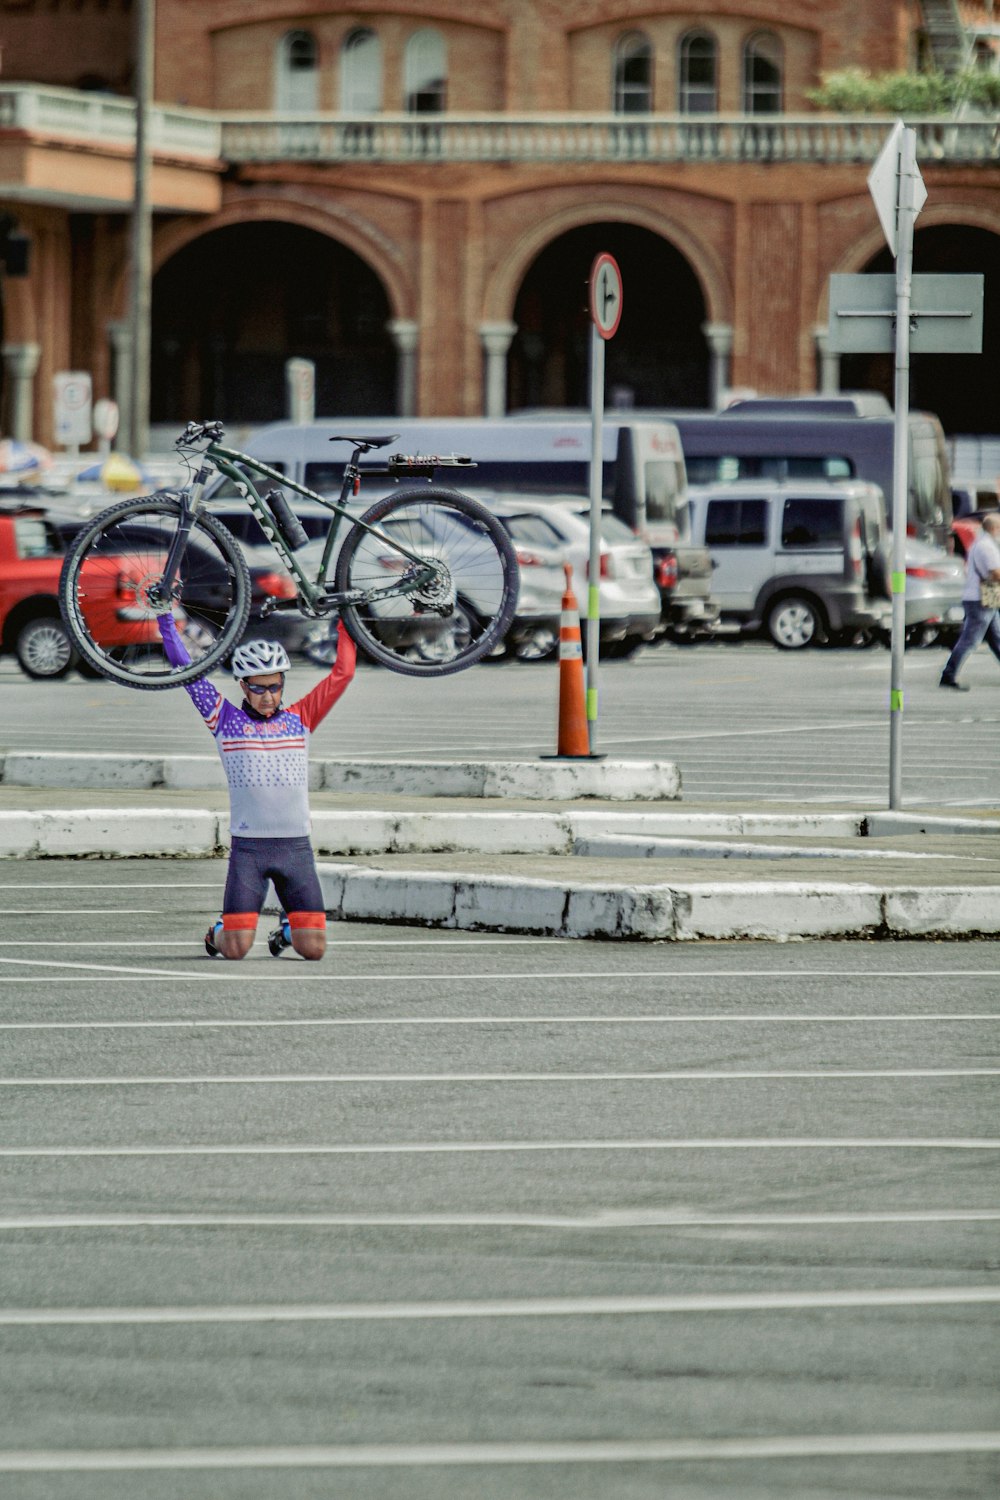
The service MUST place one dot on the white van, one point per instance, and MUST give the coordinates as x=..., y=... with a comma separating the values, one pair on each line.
x=807, y=561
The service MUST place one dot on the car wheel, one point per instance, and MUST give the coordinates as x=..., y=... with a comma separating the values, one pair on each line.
x=320, y=644
x=793, y=623
x=43, y=648
x=442, y=642
x=539, y=645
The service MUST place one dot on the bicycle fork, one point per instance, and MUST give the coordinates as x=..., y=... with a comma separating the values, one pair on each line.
x=161, y=595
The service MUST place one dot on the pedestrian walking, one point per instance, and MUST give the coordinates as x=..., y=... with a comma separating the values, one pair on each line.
x=980, y=600
x=264, y=750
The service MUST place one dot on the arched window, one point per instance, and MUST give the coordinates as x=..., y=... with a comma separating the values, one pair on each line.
x=425, y=73
x=762, y=70
x=633, y=74
x=697, y=74
x=297, y=72
x=361, y=73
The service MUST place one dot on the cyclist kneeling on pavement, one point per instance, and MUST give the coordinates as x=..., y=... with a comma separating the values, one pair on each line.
x=264, y=749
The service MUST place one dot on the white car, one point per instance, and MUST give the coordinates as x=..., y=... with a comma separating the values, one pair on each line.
x=548, y=533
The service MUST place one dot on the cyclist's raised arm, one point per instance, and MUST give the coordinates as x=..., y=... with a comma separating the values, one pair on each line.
x=314, y=707
x=206, y=698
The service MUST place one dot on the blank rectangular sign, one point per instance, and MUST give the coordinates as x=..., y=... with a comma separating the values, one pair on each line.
x=946, y=315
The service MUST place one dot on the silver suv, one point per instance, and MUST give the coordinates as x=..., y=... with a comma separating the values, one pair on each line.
x=806, y=560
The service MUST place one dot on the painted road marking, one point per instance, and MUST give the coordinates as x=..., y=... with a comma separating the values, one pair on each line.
x=511, y=1307
x=661, y=975
x=451, y=1455
x=612, y=1219
x=504, y=1148
x=868, y=1019
x=686, y=1075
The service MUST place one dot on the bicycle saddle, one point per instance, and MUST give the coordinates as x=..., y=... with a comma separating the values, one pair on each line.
x=366, y=443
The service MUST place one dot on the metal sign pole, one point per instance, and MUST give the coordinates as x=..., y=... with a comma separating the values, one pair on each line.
x=900, y=466
x=596, y=498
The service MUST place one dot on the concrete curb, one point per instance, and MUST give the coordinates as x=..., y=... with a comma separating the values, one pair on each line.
x=775, y=911
x=541, y=780
x=560, y=908
x=657, y=846
x=109, y=833
x=124, y=832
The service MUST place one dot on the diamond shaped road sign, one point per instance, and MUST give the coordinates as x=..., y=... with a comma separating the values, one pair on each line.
x=883, y=184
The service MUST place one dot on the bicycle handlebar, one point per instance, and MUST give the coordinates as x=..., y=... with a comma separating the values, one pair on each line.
x=195, y=432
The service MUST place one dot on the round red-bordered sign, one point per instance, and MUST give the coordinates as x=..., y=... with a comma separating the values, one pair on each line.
x=606, y=295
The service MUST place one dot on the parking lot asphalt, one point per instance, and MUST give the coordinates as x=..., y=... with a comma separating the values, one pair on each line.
x=456, y=1213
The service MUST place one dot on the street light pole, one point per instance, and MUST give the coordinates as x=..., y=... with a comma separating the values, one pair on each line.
x=140, y=246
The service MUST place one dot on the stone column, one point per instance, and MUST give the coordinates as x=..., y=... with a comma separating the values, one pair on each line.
x=20, y=363
x=496, y=339
x=405, y=334
x=829, y=363
x=719, y=337
x=120, y=339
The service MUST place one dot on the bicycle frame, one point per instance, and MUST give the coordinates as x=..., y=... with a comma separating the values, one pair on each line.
x=315, y=595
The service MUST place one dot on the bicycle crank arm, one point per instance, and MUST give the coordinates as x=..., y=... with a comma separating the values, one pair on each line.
x=271, y=605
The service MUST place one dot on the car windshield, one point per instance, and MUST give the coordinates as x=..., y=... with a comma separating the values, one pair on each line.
x=613, y=530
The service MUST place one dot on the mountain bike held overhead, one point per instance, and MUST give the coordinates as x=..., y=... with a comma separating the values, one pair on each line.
x=425, y=555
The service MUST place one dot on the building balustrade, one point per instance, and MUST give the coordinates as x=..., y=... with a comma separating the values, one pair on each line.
x=524, y=139
x=106, y=119
x=566, y=139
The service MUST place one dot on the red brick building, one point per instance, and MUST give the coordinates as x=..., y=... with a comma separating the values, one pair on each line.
x=409, y=193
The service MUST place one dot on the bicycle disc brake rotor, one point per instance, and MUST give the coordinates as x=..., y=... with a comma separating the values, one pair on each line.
x=150, y=595
x=438, y=593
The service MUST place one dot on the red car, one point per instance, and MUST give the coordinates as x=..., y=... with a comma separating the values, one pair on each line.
x=31, y=557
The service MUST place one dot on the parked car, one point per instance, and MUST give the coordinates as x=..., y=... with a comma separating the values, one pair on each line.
x=806, y=561
x=811, y=560
x=558, y=530
x=32, y=543
x=934, y=583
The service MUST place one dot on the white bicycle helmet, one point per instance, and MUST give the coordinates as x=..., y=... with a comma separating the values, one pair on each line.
x=256, y=657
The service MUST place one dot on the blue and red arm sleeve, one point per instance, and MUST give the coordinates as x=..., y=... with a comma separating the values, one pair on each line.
x=314, y=707
x=206, y=698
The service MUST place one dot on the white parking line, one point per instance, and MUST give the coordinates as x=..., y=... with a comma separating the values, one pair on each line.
x=113, y=885
x=471, y=940
x=607, y=1219
x=869, y=1018
x=510, y=1148
x=217, y=972
x=512, y=1307
x=687, y=1075
x=83, y=911
x=460, y=1455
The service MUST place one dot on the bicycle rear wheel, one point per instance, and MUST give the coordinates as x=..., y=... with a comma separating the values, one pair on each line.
x=456, y=618
x=107, y=592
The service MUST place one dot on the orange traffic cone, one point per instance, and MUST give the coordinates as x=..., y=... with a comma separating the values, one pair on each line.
x=573, y=736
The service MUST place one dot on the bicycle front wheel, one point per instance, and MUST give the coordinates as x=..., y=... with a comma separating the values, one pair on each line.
x=108, y=592
x=453, y=618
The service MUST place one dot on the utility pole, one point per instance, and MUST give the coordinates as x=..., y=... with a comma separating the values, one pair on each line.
x=141, y=239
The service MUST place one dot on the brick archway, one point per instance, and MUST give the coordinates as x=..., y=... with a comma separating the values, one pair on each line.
x=374, y=248
x=233, y=299
x=502, y=288
x=660, y=356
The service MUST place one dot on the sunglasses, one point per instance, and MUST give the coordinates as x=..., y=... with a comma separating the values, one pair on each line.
x=258, y=691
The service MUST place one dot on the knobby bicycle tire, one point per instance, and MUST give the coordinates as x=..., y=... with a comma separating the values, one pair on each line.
x=102, y=548
x=476, y=556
